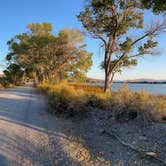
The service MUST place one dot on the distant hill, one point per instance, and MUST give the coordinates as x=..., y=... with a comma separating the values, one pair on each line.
x=141, y=80
x=145, y=81
x=94, y=80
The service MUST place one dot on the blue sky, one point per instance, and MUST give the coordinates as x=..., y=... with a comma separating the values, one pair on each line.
x=16, y=14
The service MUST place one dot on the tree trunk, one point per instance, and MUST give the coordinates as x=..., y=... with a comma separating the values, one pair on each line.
x=112, y=78
x=107, y=80
x=109, y=77
x=39, y=76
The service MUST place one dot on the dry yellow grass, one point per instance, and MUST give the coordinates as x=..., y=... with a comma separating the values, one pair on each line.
x=87, y=88
x=146, y=107
x=75, y=98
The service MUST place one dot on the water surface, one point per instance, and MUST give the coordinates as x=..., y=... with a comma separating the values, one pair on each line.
x=159, y=89
x=150, y=88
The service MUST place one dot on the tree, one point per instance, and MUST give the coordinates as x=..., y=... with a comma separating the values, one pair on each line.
x=119, y=25
x=48, y=56
x=156, y=5
x=14, y=73
x=75, y=59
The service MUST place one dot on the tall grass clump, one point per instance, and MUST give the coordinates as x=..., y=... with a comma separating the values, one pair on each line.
x=64, y=99
x=126, y=105
x=73, y=99
x=87, y=88
x=94, y=94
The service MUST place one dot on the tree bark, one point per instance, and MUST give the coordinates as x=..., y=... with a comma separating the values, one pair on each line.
x=39, y=76
x=109, y=77
x=107, y=80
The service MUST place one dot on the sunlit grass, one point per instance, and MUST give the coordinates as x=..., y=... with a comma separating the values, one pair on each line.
x=123, y=104
x=87, y=88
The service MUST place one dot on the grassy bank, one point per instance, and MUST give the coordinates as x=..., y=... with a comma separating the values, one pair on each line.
x=77, y=99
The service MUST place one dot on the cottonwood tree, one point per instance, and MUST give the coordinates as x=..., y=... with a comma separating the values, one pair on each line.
x=50, y=56
x=119, y=25
x=69, y=58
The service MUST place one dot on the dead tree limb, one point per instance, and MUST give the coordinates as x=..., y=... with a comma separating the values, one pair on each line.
x=142, y=152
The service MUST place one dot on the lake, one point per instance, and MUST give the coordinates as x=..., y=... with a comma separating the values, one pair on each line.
x=159, y=89
x=150, y=88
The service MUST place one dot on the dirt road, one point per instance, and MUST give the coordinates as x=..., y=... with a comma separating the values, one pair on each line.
x=30, y=136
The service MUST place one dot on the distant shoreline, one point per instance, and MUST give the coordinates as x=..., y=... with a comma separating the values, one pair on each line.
x=140, y=82
x=124, y=82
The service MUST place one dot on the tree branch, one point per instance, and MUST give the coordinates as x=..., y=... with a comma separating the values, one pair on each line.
x=142, y=152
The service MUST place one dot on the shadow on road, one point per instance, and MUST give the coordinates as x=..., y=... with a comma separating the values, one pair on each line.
x=30, y=135
x=26, y=134
x=3, y=160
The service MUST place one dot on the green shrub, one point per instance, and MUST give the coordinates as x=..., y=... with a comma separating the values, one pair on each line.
x=4, y=83
x=96, y=100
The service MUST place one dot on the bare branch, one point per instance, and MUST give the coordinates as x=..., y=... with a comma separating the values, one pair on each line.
x=101, y=38
x=152, y=31
x=146, y=52
x=141, y=151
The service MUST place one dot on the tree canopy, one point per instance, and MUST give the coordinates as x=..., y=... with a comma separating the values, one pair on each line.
x=50, y=57
x=120, y=27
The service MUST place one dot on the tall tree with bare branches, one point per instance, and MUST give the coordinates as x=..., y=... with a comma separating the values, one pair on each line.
x=119, y=25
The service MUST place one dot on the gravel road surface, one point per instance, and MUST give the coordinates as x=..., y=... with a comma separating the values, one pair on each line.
x=29, y=136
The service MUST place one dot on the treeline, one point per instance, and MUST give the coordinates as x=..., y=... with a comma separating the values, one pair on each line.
x=120, y=27
x=40, y=55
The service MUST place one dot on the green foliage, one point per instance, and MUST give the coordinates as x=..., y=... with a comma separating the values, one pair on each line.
x=78, y=59
x=14, y=73
x=146, y=46
x=156, y=5
x=46, y=56
x=100, y=17
x=4, y=83
x=95, y=100
x=127, y=45
x=40, y=28
x=112, y=22
x=150, y=44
